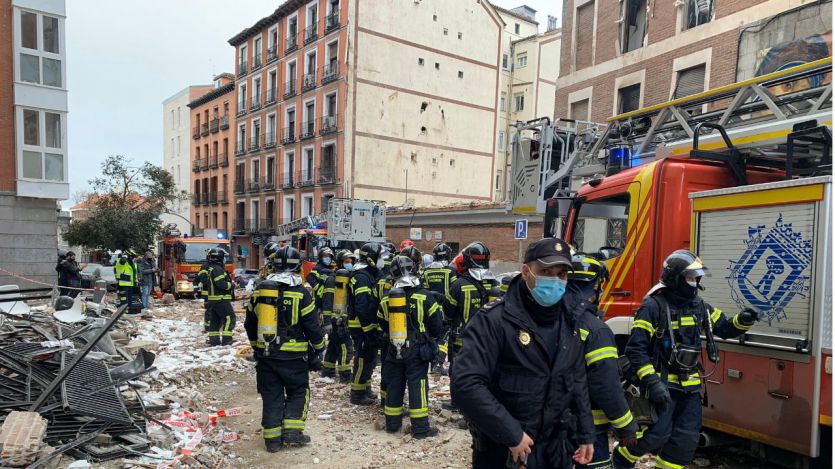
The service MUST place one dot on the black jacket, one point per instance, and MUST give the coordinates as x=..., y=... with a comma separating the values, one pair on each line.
x=69, y=273
x=503, y=379
x=316, y=279
x=363, y=299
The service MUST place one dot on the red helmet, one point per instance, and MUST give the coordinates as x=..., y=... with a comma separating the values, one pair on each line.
x=406, y=243
x=458, y=262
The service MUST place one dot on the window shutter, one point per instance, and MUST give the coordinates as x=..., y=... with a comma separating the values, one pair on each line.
x=690, y=81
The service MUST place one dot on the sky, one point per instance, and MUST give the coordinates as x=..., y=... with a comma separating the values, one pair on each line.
x=125, y=58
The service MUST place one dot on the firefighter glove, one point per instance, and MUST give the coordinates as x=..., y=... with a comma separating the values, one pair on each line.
x=628, y=435
x=658, y=393
x=749, y=316
x=314, y=360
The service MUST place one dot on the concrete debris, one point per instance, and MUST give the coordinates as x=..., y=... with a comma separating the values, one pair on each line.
x=22, y=438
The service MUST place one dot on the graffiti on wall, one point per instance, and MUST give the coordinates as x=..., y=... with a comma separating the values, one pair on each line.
x=793, y=53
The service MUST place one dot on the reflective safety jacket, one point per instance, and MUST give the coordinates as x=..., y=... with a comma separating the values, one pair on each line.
x=216, y=282
x=125, y=271
x=363, y=299
x=328, y=289
x=648, y=348
x=424, y=320
x=466, y=296
x=439, y=279
x=316, y=279
x=298, y=325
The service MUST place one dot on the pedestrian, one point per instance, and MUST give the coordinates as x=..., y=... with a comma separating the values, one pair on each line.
x=363, y=301
x=664, y=350
x=148, y=271
x=521, y=368
x=608, y=403
x=220, y=293
x=340, y=350
x=69, y=275
x=283, y=328
x=127, y=278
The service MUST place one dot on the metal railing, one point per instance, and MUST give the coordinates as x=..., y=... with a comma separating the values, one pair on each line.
x=330, y=72
x=327, y=174
x=242, y=68
x=254, y=143
x=212, y=198
x=271, y=96
x=204, y=129
x=328, y=124
x=255, y=103
x=224, y=122
x=308, y=81
x=288, y=180
x=215, y=125
x=252, y=185
x=195, y=199
x=288, y=135
x=308, y=130
x=241, y=108
x=223, y=160
x=311, y=33
x=256, y=62
x=240, y=225
x=222, y=198
x=306, y=178
x=195, y=133
x=204, y=198
x=239, y=186
x=213, y=161
x=240, y=148
x=291, y=44
x=268, y=183
x=195, y=166
x=290, y=88
x=266, y=225
x=269, y=140
x=332, y=21
x=204, y=163
x=272, y=53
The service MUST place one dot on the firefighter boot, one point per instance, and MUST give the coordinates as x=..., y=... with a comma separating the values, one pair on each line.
x=327, y=373
x=273, y=445
x=361, y=397
x=345, y=376
x=295, y=438
x=433, y=431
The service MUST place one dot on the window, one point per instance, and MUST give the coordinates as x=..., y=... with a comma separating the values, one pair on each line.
x=503, y=102
x=437, y=66
x=629, y=98
x=242, y=57
x=698, y=12
x=42, y=153
x=634, y=25
x=580, y=110
x=522, y=60
x=689, y=81
x=501, y=140
x=498, y=177
x=289, y=209
x=460, y=74
x=460, y=35
x=451, y=163
x=518, y=103
x=256, y=50
x=307, y=205
x=39, y=58
x=446, y=31
x=516, y=28
x=420, y=60
x=504, y=61
x=604, y=226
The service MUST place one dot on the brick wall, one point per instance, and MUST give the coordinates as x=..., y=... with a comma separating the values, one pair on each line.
x=7, y=145
x=585, y=28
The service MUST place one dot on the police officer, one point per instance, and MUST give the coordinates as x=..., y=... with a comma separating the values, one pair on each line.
x=609, y=406
x=664, y=349
x=282, y=325
x=126, y=271
x=413, y=320
x=469, y=292
x=219, y=292
x=521, y=367
x=319, y=273
x=334, y=310
x=438, y=278
x=363, y=301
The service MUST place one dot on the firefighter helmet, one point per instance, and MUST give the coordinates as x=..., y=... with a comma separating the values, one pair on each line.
x=390, y=248
x=270, y=249
x=476, y=256
x=370, y=253
x=682, y=264
x=414, y=254
x=587, y=269
x=402, y=266
x=343, y=256
x=442, y=252
x=406, y=243
x=458, y=263
x=325, y=252
x=288, y=259
x=216, y=255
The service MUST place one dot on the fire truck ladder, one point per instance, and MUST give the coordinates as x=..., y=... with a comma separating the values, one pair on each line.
x=769, y=118
x=302, y=223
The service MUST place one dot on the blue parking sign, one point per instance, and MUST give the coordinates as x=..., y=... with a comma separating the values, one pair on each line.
x=521, y=231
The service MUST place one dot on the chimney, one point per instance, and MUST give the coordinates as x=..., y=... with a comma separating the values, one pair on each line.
x=552, y=23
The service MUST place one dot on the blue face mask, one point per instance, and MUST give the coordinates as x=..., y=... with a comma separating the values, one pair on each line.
x=348, y=267
x=327, y=261
x=548, y=291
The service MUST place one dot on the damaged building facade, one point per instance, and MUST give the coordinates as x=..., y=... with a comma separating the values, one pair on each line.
x=33, y=136
x=612, y=50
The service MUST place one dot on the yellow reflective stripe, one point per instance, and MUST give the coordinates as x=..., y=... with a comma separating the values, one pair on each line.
x=627, y=455
x=330, y=290
x=443, y=348
x=599, y=417
x=291, y=424
x=320, y=345
x=354, y=323
x=306, y=405
x=451, y=300
x=269, y=433
x=739, y=325
x=715, y=315
x=393, y=411
x=687, y=321
x=369, y=327
x=293, y=294
x=692, y=380
x=645, y=370
x=418, y=413
x=662, y=464
x=423, y=394
x=294, y=346
x=355, y=385
x=434, y=309
x=219, y=277
x=600, y=354
x=623, y=421
x=645, y=325
x=583, y=334
x=308, y=309
x=361, y=290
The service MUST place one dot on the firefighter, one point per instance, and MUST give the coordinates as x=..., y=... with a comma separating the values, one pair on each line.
x=413, y=320
x=609, y=406
x=319, y=273
x=363, y=301
x=438, y=277
x=334, y=303
x=469, y=292
x=283, y=328
x=126, y=271
x=521, y=368
x=270, y=249
x=415, y=255
x=663, y=350
x=220, y=290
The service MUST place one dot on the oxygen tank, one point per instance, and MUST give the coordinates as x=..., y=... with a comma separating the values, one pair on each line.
x=494, y=293
x=266, y=310
x=340, y=292
x=398, y=311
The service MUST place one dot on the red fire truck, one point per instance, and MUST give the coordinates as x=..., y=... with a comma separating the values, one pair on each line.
x=180, y=260
x=748, y=187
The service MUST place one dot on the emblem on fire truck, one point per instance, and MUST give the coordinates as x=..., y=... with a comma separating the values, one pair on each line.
x=773, y=269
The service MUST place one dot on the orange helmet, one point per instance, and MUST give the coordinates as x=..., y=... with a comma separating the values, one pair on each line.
x=458, y=262
x=406, y=243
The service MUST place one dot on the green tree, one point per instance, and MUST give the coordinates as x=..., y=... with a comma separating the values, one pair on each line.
x=126, y=204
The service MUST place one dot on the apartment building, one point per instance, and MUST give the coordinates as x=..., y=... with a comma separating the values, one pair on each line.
x=212, y=142
x=33, y=136
x=621, y=56
x=176, y=156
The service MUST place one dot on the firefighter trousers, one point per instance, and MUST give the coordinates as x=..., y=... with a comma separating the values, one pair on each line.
x=674, y=436
x=365, y=360
x=384, y=351
x=221, y=322
x=339, y=353
x=127, y=296
x=285, y=395
x=409, y=371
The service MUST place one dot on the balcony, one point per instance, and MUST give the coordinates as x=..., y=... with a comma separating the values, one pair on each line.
x=214, y=127
x=255, y=103
x=266, y=225
x=241, y=108
x=254, y=143
x=213, y=162
x=288, y=180
x=330, y=72
x=252, y=185
x=204, y=129
x=223, y=160
x=308, y=81
x=308, y=130
x=239, y=186
x=328, y=125
x=256, y=62
x=195, y=199
x=292, y=43
x=224, y=122
x=196, y=165
x=270, y=96
x=290, y=89
x=327, y=174
x=288, y=135
x=332, y=21
x=240, y=148
x=204, y=164
x=272, y=54
x=222, y=198
x=269, y=140
x=251, y=225
x=204, y=198
x=240, y=226
x=311, y=33
x=268, y=184
x=242, y=68
x=307, y=178
x=212, y=198
x=195, y=134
